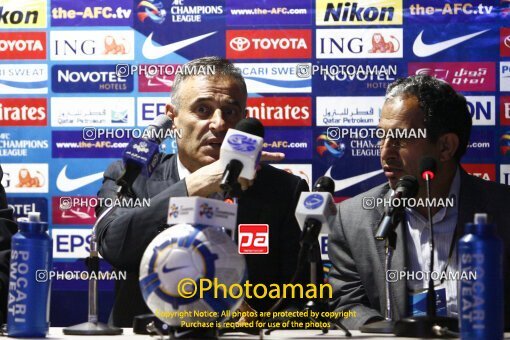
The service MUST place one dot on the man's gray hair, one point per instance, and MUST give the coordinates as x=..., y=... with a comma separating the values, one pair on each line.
x=221, y=68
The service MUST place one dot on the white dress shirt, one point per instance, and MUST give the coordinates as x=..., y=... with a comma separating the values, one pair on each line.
x=417, y=234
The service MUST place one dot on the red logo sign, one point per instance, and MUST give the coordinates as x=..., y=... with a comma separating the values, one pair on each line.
x=504, y=110
x=23, y=112
x=253, y=238
x=484, y=171
x=156, y=78
x=504, y=42
x=73, y=210
x=463, y=76
x=281, y=111
x=23, y=45
x=269, y=44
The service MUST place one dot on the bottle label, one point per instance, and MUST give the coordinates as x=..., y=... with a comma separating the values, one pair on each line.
x=28, y=298
x=18, y=283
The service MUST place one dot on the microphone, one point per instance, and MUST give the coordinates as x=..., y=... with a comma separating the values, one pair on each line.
x=240, y=153
x=143, y=153
x=424, y=326
x=428, y=166
x=317, y=208
x=407, y=187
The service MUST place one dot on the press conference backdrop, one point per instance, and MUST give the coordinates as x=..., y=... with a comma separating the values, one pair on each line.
x=309, y=65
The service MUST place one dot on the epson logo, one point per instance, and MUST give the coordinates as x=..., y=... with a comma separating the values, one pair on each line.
x=20, y=45
x=64, y=47
x=18, y=17
x=351, y=12
x=240, y=44
x=94, y=77
x=482, y=109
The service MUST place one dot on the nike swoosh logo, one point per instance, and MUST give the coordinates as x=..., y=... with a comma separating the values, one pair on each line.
x=67, y=184
x=425, y=50
x=168, y=270
x=341, y=184
x=151, y=51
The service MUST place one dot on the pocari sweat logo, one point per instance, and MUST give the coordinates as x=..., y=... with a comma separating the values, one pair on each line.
x=313, y=201
x=242, y=143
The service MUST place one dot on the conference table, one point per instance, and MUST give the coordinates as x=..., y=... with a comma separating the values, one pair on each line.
x=56, y=333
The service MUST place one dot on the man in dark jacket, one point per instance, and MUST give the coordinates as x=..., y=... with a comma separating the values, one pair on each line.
x=7, y=229
x=203, y=107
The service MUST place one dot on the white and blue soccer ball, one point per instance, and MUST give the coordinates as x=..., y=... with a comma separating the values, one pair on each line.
x=184, y=251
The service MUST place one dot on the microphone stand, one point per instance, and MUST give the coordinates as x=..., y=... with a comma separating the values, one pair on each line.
x=427, y=326
x=386, y=326
x=93, y=326
x=309, y=237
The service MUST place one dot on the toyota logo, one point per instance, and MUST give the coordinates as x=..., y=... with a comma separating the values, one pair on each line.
x=507, y=41
x=239, y=44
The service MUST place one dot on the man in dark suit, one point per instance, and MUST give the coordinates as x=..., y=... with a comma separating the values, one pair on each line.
x=204, y=107
x=7, y=229
x=358, y=275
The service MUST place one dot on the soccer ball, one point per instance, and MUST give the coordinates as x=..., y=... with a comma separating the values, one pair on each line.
x=191, y=252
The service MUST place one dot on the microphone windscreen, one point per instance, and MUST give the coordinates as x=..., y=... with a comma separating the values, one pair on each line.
x=325, y=184
x=428, y=164
x=409, y=184
x=252, y=126
x=160, y=123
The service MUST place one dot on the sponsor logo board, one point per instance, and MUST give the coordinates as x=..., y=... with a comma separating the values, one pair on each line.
x=281, y=111
x=355, y=13
x=366, y=43
x=463, y=76
x=92, y=111
x=23, y=45
x=103, y=13
x=275, y=78
x=25, y=178
x=23, y=112
x=89, y=78
x=484, y=171
x=269, y=44
x=23, y=14
x=83, y=45
x=285, y=13
x=23, y=79
x=348, y=111
x=148, y=108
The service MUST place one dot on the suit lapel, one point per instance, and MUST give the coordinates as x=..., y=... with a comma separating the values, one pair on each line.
x=159, y=180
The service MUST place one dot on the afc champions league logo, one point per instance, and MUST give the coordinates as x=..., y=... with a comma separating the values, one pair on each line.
x=242, y=143
x=313, y=201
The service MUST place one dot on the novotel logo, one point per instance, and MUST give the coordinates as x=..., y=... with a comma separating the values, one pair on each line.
x=313, y=201
x=242, y=143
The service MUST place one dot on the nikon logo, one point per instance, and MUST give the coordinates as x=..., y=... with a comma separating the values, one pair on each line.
x=351, y=12
x=17, y=17
x=366, y=12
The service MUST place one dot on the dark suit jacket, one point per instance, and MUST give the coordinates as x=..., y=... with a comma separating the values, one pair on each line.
x=123, y=234
x=357, y=272
x=7, y=229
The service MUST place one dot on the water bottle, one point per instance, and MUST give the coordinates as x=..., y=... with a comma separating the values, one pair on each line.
x=481, y=311
x=29, y=286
